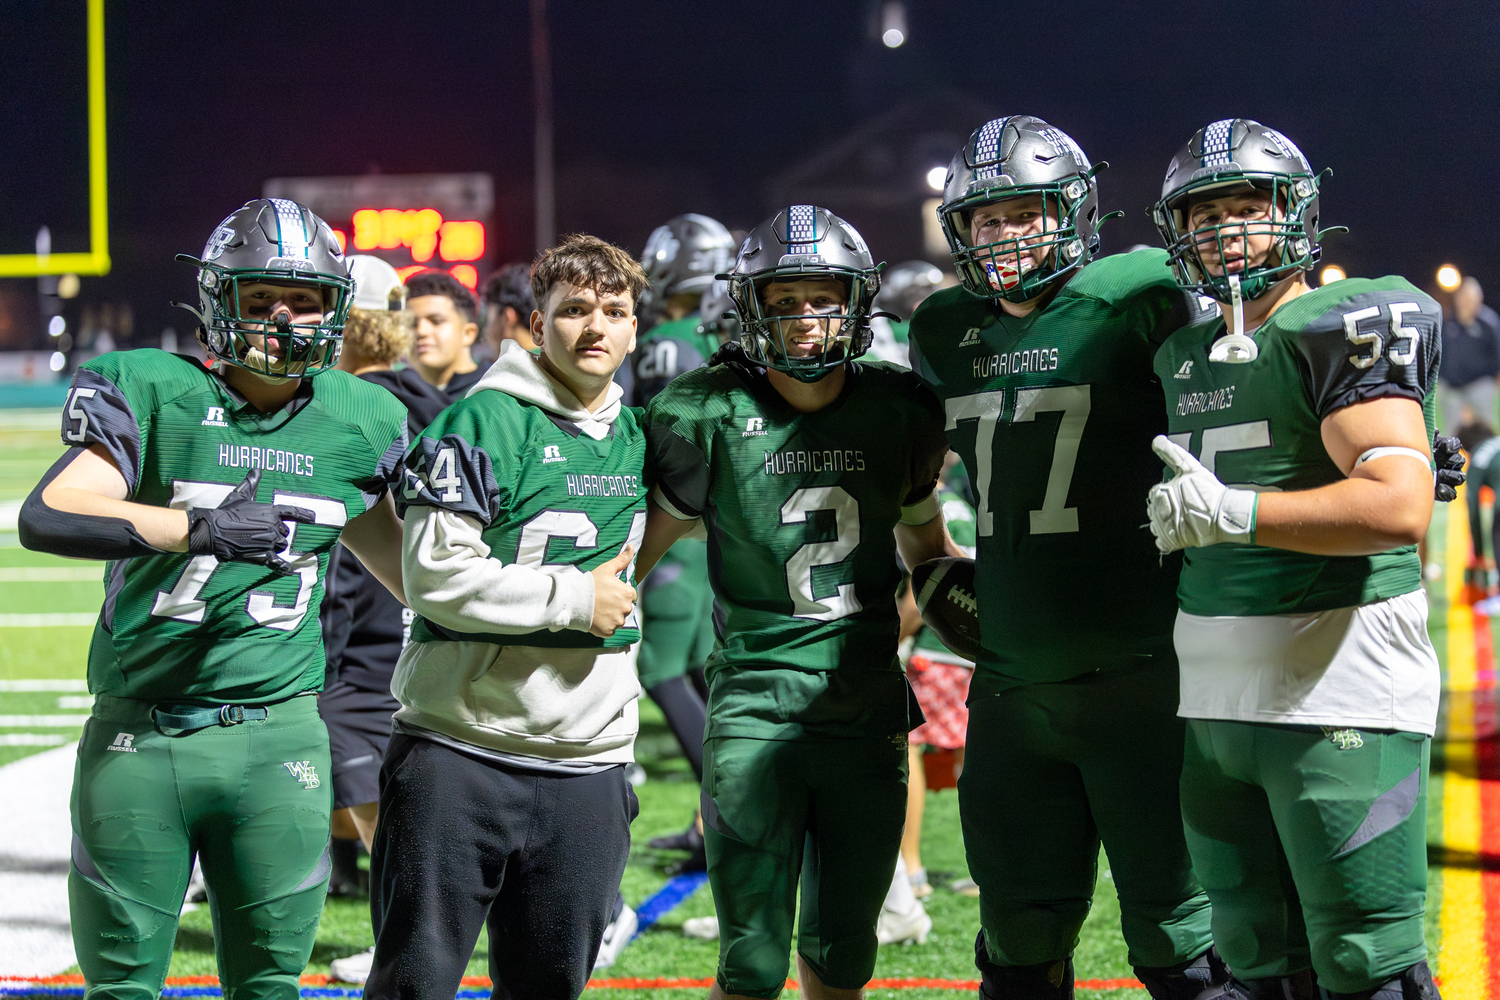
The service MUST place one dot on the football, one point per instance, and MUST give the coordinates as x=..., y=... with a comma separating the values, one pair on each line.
x=945, y=595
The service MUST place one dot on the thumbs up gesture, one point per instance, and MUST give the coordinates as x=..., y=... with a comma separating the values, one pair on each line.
x=613, y=597
x=1193, y=508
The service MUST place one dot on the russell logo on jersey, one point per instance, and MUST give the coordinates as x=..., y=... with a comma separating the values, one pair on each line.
x=754, y=427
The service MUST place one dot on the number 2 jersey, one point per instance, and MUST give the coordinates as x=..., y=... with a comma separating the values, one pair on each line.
x=1258, y=425
x=187, y=628
x=1053, y=414
x=800, y=510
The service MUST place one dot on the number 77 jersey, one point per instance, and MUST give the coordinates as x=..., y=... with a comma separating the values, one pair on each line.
x=1053, y=415
x=1258, y=425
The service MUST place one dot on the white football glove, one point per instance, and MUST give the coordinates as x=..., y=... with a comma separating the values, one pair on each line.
x=1193, y=507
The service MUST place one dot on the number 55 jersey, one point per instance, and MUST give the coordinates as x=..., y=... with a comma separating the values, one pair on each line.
x=187, y=627
x=1258, y=426
x=1053, y=415
x=800, y=510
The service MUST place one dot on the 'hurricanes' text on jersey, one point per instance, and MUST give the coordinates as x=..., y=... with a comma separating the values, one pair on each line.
x=188, y=628
x=1258, y=426
x=553, y=496
x=1053, y=414
x=800, y=510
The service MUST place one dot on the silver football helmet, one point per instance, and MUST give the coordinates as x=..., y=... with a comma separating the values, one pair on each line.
x=804, y=243
x=280, y=242
x=682, y=257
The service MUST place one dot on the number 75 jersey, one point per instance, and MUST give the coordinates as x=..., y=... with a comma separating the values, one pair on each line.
x=1053, y=415
x=1258, y=425
x=188, y=628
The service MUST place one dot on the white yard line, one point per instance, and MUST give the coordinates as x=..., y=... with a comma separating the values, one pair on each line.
x=93, y=573
x=35, y=836
x=45, y=685
x=41, y=722
x=10, y=513
x=49, y=619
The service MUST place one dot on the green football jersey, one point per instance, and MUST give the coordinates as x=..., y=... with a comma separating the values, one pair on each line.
x=800, y=510
x=544, y=492
x=959, y=516
x=1053, y=415
x=666, y=351
x=1259, y=425
x=187, y=628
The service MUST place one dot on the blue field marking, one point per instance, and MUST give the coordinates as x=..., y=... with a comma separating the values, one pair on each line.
x=666, y=899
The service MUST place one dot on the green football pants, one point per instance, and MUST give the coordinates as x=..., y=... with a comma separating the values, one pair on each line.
x=1312, y=846
x=1052, y=769
x=252, y=801
x=829, y=811
x=677, y=614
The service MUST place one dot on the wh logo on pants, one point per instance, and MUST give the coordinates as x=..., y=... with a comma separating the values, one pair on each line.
x=303, y=771
x=122, y=743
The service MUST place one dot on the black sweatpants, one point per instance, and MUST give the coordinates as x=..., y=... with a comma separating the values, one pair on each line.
x=464, y=842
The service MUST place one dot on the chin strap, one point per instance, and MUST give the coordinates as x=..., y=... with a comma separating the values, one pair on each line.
x=1235, y=349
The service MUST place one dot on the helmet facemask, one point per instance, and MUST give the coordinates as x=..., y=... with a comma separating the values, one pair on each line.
x=770, y=337
x=1293, y=247
x=236, y=338
x=1009, y=269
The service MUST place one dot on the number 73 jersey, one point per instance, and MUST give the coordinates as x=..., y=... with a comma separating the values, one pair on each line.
x=1053, y=415
x=1258, y=425
x=181, y=627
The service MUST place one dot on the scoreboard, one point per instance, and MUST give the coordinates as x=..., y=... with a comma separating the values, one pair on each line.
x=414, y=221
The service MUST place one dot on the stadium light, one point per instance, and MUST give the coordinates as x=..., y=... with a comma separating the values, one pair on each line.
x=936, y=176
x=1332, y=273
x=893, y=24
x=467, y=275
x=1449, y=278
x=56, y=326
x=57, y=361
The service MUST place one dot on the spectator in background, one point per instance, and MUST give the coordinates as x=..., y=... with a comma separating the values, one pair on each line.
x=447, y=317
x=508, y=306
x=1471, y=359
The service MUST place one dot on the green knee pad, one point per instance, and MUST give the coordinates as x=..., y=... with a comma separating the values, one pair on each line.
x=1051, y=770
x=1312, y=845
x=251, y=800
x=825, y=812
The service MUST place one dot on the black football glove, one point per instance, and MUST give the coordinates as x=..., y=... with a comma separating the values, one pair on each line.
x=1448, y=456
x=241, y=528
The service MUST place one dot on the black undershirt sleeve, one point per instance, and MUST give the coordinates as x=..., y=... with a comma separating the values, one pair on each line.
x=78, y=536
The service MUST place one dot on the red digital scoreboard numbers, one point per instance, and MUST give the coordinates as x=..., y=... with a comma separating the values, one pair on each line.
x=415, y=221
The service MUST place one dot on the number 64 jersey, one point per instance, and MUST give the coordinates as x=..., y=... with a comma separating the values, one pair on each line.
x=181, y=627
x=1258, y=425
x=800, y=510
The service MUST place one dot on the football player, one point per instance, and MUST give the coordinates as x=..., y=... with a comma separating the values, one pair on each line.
x=503, y=798
x=677, y=631
x=1302, y=480
x=1043, y=361
x=807, y=467
x=217, y=496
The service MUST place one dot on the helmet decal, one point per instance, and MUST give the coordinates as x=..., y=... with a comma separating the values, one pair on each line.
x=218, y=242
x=802, y=229
x=987, y=148
x=1216, y=140
x=1063, y=144
x=291, y=228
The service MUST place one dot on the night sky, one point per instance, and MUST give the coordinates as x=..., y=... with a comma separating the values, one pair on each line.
x=666, y=106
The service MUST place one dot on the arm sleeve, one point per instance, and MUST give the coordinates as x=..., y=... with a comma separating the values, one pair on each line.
x=78, y=536
x=1373, y=345
x=452, y=580
x=678, y=450
x=98, y=412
